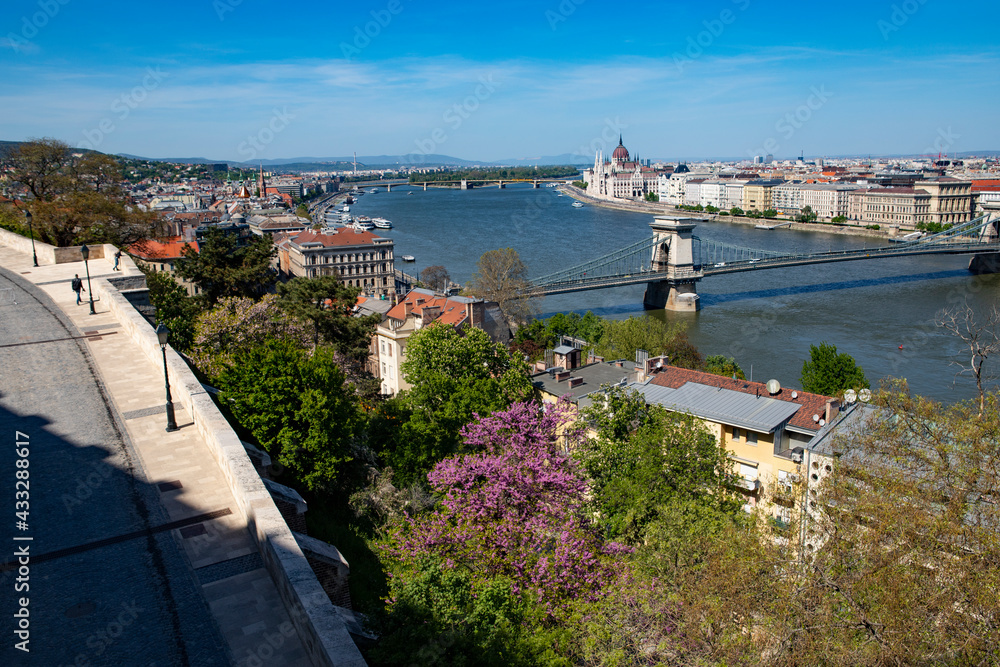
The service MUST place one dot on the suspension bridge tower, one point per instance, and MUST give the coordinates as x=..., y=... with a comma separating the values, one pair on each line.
x=674, y=257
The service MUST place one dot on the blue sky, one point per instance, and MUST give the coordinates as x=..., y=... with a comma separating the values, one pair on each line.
x=246, y=79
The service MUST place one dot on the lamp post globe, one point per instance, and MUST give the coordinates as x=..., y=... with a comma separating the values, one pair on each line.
x=85, y=251
x=162, y=334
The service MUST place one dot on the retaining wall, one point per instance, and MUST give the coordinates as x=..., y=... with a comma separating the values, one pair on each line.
x=321, y=628
x=50, y=254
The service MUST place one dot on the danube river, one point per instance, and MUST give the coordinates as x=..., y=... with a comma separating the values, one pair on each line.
x=879, y=311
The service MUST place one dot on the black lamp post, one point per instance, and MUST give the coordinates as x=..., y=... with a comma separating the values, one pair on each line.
x=162, y=333
x=31, y=232
x=85, y=251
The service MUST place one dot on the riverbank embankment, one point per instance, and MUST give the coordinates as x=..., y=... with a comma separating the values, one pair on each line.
x=653, y=208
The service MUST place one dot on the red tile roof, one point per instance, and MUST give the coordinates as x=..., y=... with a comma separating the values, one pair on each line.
x=345, y=237
x=452, y=312
x=171, y=247
x=812, y=404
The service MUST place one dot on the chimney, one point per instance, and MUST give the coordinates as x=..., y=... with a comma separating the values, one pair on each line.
x=562, y=375
x=407, y=308
x=832, y=408
x=573, y=382
x=429, y=314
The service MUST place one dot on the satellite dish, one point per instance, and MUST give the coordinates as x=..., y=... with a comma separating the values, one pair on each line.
x=850, y=396
x=773, y=387
x=795, y=394
x=865, y=395
x=822, y=422
x=815, y=418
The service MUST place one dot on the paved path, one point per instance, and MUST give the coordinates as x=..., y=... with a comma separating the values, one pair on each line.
x=139, y=555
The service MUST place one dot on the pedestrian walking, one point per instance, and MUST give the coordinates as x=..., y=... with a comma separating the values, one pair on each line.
x=77, y=286
x=118, y=258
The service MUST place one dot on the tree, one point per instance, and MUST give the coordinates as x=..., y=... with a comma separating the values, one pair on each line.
x=174, y=307
x=644, y=458
x=620, y=339
x=40, y=165
x=435, y=277
x=828, y=373
x=652, y=197
x=906, y=562
x=328, y=304
x=302, y=211
x=240, y=323
x=717, y=364
x=501, y=276
x=441, y=616
x=77, y=199
x=513, y=508
x=807, y=215
x=88, y=216
x=223, y=265
x=981, y=338
x=770, y=213
x=298, y=407
x=736, y=210
x=454, y=375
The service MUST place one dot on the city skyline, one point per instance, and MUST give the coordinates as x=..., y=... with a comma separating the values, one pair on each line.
x=237, y=80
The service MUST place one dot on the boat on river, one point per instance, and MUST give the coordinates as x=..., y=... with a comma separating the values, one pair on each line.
x=382, y=223
x=408, y=258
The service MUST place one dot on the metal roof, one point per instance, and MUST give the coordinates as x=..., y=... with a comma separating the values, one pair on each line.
x=757, y=413
x=564, y=349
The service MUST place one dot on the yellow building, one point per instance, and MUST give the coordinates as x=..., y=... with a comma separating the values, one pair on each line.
x=766, y=429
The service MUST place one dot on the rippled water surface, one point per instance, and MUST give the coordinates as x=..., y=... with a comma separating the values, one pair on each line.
x=766, y=319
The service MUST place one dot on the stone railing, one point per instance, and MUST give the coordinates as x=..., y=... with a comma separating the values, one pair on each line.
x=320, y=626
x=50, y=254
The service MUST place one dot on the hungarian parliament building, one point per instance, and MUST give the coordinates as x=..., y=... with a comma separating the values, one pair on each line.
x=621, y=177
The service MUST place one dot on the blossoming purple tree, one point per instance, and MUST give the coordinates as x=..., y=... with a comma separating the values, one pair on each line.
x=513, y=510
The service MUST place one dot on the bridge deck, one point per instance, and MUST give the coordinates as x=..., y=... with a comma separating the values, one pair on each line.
x=699, y=272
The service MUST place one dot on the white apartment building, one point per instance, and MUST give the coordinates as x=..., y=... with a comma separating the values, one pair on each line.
x=787, y=198
x=713, y=192
x=692, y=191
x=828, y=200
x=733, y=195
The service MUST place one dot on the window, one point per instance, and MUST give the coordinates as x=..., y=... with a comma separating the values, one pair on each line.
x=382, y=346
x=392, y=375
x=751, y=438
x=383, y=369
x=736, y=434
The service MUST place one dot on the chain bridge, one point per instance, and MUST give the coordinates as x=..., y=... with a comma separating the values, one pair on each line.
x=673, y=260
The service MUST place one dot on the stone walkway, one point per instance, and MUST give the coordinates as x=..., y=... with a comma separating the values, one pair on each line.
x=150, y=510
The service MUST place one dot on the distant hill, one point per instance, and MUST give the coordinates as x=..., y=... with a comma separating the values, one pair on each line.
x=438, y=160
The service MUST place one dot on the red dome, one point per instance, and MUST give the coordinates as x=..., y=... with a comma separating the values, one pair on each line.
x=621, y=153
